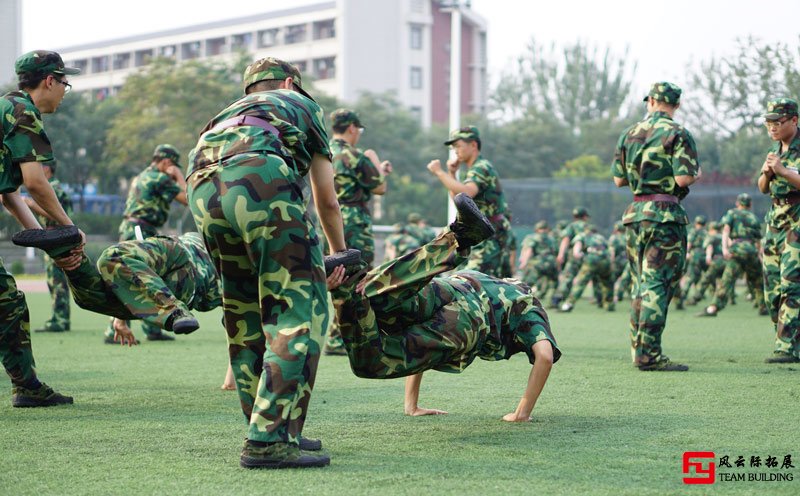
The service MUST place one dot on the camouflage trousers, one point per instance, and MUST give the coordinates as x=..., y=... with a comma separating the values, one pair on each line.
x=710, y=278
x=127, y=232
x=277, y=309
x=623, y=283
x=782, y=285
x=741, y=261
x=15, y=335
x=145, y=280
x=487, y=256
x=695, y=267
x=409, y=321
x=541, y=276
x=657, y=255
x=597, y=270
x=59, y=294
x=567, y=277
x=358, y=232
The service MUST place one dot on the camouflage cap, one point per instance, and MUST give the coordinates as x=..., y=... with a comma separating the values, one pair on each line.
x=269, y=69
x=700, y=219
x=580, y=212
x=167, y=151
x=780, y=107
x=468, y=133
x=560, y=225
x=542, y=224
x=345, y=117
x=713, y=225
x=619, y=226
x=744, y=199
x=414, y=217
x=42, y=62
x=398, y=227
x=666, y=92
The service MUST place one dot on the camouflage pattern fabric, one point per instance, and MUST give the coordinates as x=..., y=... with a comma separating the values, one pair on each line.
x=571, y=267
x=649, y=155
x=696, y=261
x=423, y=235
x=656, y=254
x=24, y=140
x=355, y=178
x=148, y=279
x=714, y=270
x=782, y=255
x=245, y=190
x=148, y=202
x=623, y=285
x=595, y=266
x=402, y=243
x=745, y=233
x=541, y=271
x=511, y=247
x=56, y=280
x=410, y=321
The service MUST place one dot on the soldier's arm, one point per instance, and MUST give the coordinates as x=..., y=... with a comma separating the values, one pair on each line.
x=15, y=205
x=778, y=169
x=577, y=250
x=685, y=181
x=726, y=240
x=562, y=250
x=35, y=207
x=543, y=362
x=709, y=254
x=524, y=257
x=177, y=176
x=620, y=182
x=453, y=185
x=42, y=193
x=411, y=406
x=330, y=217
x=382, y=168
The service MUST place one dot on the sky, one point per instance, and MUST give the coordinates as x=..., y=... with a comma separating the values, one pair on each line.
x=662, y=37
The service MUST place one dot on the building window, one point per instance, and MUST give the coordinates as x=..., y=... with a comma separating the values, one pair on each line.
x=115, y=90
x=301, y=65
x=418, y=6
x=242, y=41
x=169, y=51
x=324, y=30
x=100, y=64
x=215, y=46
x=268, y=38
x=325, y=68
x=295, y=34
x=121, y=61
x=81, y=64
x=416, y=37
x=482, y=48
x=143, y=57
x=190, y=50
x=416, y=113
x=416, y=78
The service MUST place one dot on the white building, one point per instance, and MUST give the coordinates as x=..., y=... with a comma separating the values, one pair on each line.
x=10, y=38
x=346, y=46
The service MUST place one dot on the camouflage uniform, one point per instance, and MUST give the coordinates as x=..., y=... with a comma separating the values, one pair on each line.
x=648, y=156
x=782, y=242
x=401, y=241
x=745, y=235
x=147, y=206
x=511, y=248
x=356, y=177
x=148, y=279
x=696, y=261
x=715, y=268
x=56, y=280
x=570, y=269
x=245, y=190
x=595, y=266
x=540, y=272
x=410, y=321
x=616, y=244
x=423, y=234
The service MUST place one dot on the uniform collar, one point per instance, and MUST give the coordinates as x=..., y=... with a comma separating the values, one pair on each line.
x=660, y=114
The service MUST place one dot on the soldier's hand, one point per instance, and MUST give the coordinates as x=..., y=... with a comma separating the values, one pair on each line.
x=726, y=254
x=435, y=167
x=175, y=173
x=386, y=167
x=72, y=260
x=123, y=334
x=452, y=165
x=774, y=163
x=336, y=278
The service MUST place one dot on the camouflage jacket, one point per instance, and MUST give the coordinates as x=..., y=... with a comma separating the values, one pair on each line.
x=24, y=138
x=490, y=198
x=299, y=120
x=543, y=248
x=402, y=243
x=355, y=175
x=649, y=155
x=593, y=245
x=781, y=216
x=618, y=245
x=423, y=235
x=63, y=198
x=572, y=230
x=150, y=196
x=744, y=225
x=715, y=241
x=695, y=238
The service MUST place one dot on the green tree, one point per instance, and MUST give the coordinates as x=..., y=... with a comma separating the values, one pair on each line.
x=585, y=167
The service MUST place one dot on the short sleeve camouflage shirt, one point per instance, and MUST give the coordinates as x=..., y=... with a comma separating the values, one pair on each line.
x=24, y=138
x=649, y=155
x=150, y=196
x=490, y=198
x=780, y=216
x=355, y=174
x=743, y=224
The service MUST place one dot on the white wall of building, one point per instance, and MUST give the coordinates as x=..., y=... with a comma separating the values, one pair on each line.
x=10, y=38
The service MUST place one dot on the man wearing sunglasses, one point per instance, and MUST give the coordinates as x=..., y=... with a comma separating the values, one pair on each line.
x=780, y=179
x=42, y=85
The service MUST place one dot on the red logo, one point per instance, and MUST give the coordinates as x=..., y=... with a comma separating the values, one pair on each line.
x=703, y=474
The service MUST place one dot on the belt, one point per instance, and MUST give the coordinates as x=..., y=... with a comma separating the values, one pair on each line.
x=137, y=220
x=790, y=199
x=657, y=197
x=742, y=240
x=497, y=218
x=247, y=120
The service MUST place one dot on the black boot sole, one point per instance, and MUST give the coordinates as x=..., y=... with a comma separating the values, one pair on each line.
x=348, y=258
x=47, y=239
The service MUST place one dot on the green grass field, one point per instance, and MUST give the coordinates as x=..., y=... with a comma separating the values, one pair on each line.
x=152, y=419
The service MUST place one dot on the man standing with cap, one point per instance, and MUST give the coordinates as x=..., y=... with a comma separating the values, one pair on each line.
x=695, y=258
x=657, y=159
x=246, y=178
x=780, y=179
x=56, y=280
x=567, y=263
x=42, y=85
x=147, y=207
x=482, y=184
x=741, y=246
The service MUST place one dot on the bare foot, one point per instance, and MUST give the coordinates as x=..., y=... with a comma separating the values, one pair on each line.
x=418, y=412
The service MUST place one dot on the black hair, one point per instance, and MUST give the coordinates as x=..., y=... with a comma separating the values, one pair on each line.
x=31, y=80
